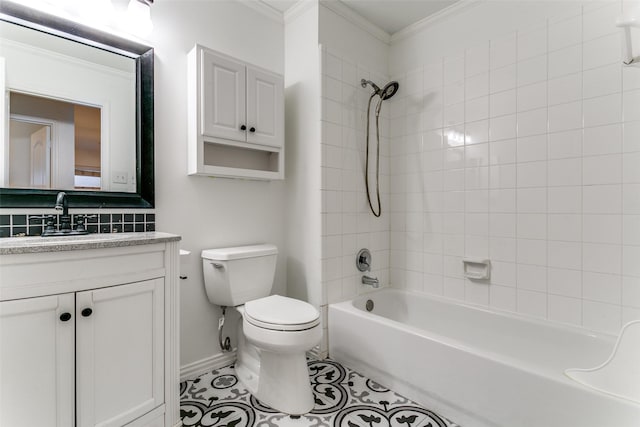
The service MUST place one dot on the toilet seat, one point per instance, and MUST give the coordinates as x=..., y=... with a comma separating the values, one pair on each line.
x=280, y=313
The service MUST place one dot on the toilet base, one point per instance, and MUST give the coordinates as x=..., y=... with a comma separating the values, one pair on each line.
x=284, y=383
x=278, y=380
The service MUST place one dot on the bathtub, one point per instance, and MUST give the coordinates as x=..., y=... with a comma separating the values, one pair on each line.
x=476, y=367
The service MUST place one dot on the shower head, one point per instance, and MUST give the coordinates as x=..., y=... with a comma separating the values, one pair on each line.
x=385, y=93
x=389, y=90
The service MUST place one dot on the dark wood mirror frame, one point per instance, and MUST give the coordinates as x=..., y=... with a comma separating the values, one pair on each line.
x=143, y=57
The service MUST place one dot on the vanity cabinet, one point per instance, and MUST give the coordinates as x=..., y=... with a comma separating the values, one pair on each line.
x=236, y=118
x=93, y=342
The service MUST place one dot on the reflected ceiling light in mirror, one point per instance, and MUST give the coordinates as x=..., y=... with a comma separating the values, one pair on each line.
x=138, y=17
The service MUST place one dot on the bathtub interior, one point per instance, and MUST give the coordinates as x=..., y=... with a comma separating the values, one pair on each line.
x=619, y=375
x=542, y=346
x=510, y=366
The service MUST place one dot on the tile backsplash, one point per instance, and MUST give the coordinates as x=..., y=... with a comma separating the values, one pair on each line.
x=32, y=224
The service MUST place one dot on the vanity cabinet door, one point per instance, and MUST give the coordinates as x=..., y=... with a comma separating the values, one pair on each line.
x=37, y=361
x=265, y=108
x=120, y=352
x=223, y=97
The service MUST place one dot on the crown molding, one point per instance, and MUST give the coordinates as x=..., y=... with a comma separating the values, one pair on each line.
x=300, y=7
x=345, y=12
x=264, y=9
x=458, y=7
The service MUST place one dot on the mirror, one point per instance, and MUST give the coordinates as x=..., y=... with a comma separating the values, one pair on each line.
x=77, y=114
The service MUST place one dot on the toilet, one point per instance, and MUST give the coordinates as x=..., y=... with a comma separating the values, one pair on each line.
x=275, y=331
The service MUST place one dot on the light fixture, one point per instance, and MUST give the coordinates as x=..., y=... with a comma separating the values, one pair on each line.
x=139, y=17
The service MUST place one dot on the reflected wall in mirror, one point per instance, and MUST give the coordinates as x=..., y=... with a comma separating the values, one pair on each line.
x=79, y=116
x=54, y=144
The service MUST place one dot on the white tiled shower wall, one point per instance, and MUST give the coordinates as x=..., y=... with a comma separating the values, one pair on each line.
x=347, y=223
x=524, y=149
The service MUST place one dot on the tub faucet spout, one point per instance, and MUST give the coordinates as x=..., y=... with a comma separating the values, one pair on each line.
x=371, y=281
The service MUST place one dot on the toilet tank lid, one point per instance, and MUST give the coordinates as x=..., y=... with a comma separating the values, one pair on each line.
x=239, y=252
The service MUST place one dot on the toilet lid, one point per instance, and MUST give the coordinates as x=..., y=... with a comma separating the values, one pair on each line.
x=281, y=313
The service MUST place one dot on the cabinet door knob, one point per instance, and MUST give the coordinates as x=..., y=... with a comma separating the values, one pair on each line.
x=252, y=129
x=65, y=317
x=86, y=312
x=243, y=127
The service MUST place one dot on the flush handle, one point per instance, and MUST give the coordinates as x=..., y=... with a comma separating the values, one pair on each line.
x=217, y=266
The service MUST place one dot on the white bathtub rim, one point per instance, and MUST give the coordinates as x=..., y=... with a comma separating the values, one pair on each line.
x=478, y=307
x=553, y=375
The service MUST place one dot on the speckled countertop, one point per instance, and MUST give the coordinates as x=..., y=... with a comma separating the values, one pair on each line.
x=24, y=245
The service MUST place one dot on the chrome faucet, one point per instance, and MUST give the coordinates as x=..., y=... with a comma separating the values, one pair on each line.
x=371, y=281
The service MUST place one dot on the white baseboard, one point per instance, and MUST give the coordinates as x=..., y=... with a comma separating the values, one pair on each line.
x=202, y=366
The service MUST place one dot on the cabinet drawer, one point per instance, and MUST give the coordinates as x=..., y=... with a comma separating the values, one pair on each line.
x=28, y=275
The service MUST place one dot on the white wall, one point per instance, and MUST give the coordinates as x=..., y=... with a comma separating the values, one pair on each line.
x=546, y=185
x=302, y=121
x=209, y=212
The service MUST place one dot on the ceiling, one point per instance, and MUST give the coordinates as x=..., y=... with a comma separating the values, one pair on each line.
x=390, y=15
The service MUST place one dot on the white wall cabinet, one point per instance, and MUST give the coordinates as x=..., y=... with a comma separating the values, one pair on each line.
x=99, y=350
x=236, y=118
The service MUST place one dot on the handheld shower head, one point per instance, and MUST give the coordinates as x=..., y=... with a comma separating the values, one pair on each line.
x=389, y=90
x=386, y=92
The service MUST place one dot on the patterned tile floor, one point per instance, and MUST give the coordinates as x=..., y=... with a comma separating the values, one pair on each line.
x=343, y=398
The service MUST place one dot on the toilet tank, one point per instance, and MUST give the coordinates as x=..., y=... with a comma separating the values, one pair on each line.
x=233, y=276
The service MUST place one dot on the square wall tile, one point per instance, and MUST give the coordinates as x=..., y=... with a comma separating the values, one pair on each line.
x=565, y=144
x=533, y=70
x=503, y=78
x=532, y=303
x=601, y=317
x=565, y=89
x=602, y=51
x=602, y=140
x=565, y=33
x=602, y=81
x=502, y=51
x=565, y=61
x=532, y=43
x=477, y=59
x=565, y=310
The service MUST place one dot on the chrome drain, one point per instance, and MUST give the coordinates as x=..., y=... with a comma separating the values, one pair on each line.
x=369, y=305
